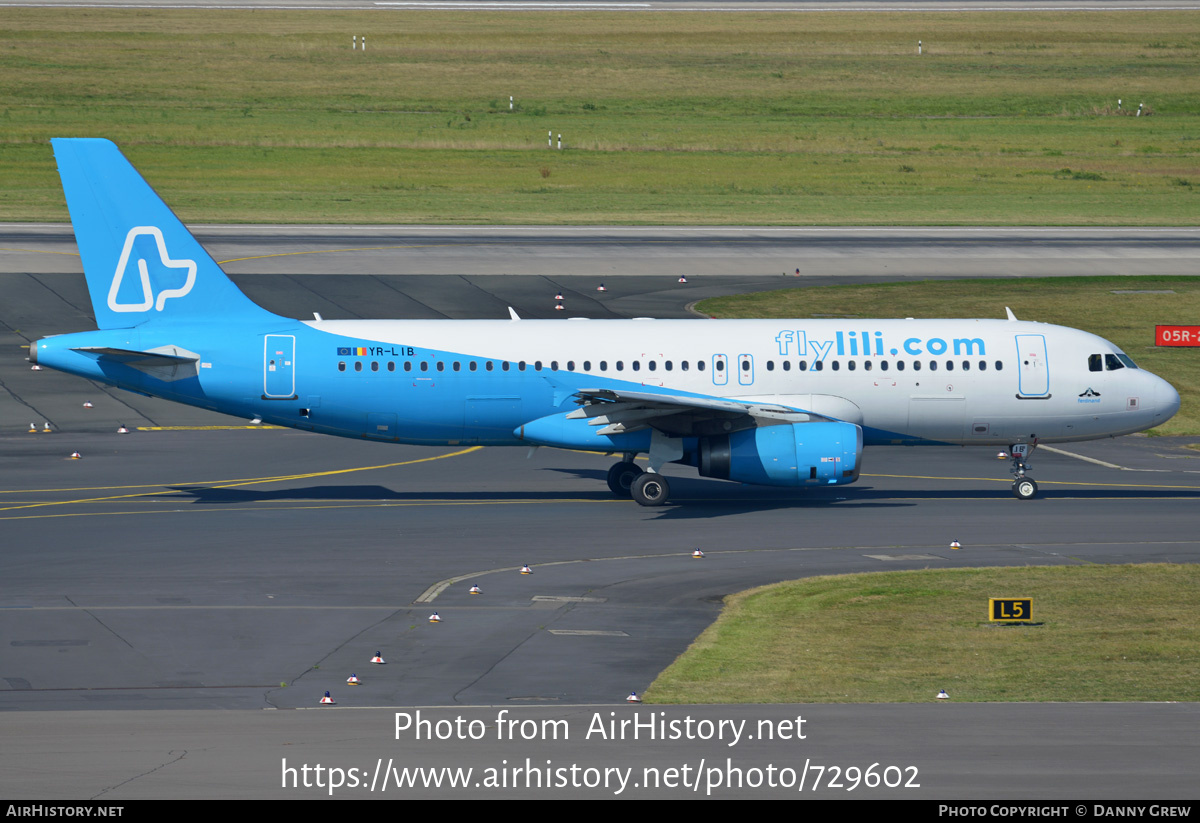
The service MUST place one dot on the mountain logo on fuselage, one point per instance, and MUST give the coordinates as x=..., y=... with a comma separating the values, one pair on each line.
x=152, y=261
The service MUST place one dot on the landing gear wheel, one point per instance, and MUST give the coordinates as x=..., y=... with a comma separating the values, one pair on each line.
x=1024, y=488
x=650, y=489
x=621, y=477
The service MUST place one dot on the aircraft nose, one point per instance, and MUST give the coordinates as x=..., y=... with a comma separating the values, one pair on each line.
x=1166, y=401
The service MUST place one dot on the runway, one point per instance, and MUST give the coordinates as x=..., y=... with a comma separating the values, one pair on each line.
x=855, y=6
x=173, y=604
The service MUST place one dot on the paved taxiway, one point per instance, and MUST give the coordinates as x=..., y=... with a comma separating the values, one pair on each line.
x=200, y=570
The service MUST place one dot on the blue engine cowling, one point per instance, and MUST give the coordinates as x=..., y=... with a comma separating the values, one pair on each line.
x=793, y=454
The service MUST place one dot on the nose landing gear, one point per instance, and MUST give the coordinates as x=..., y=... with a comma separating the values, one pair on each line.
x=1023, y=488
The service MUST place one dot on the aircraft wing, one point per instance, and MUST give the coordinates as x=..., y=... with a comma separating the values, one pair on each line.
x=675, y=415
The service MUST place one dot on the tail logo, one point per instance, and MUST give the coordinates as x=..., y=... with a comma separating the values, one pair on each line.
x=148, y=300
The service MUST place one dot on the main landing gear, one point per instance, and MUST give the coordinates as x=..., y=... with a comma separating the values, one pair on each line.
x=648, y=488
x=621, y=477
x=1023, y=488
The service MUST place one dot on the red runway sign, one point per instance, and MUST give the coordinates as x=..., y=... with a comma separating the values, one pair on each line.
x=1177, y=335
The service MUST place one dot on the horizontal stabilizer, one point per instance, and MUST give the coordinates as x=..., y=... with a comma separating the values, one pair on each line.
x=163, y=362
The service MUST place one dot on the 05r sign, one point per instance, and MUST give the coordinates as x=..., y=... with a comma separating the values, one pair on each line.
x=1177, y=335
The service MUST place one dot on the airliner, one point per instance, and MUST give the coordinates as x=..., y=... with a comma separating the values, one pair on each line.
x=770, y=402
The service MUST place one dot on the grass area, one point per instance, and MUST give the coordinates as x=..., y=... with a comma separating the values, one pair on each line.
x=254, y=115
x=1104, y=633
x=1087, y=303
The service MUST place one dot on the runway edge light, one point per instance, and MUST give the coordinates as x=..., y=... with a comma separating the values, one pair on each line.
x=378, y=659
x=327, y=700
x=633, y=698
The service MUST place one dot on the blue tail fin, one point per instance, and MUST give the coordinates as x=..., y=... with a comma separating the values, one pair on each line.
x=141, y=264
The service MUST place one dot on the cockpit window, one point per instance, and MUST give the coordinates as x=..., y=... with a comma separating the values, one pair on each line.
x=1127, y=360
x=1112, y=363
x=1095, y=362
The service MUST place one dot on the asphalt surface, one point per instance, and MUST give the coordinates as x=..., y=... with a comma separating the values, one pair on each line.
x=174, y=603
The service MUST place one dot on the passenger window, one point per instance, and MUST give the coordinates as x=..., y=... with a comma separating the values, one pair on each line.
x=683, y=364
x=770, y=365
x=949, y=365
x=883, y=365
x=966, y=365
x=505, y=366
x=867, y=365
x=850, y=365
x=553, y=365
x=652, y=365
x=488, y=365
x=983, y=365
x=342, y=366
x=441, y=366
x=391, y=365
x=999, y=365
x=603, y=365
x=803, y=365
x=537, y=365
x=521, y=365
x=358, y=365
x=787, y=365
x=637, y=365
x=620, y=365
x=374, y=365
x=408, y=365
x=473, y=366
x=916, y=365
x=899, y=365
x=720, y=365
x=836, y=365
x=745, y=365
x=457, y=366
x=699, y=365
x=667, y=365
x=818, y=365
x=933, y=365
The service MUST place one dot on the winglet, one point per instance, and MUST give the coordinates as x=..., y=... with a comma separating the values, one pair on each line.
x=1008, y=311
x=512, y=313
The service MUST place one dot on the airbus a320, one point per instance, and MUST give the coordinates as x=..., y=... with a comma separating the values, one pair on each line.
x=769, y=402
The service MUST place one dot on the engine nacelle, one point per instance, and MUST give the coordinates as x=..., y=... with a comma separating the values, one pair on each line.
x=794, y=454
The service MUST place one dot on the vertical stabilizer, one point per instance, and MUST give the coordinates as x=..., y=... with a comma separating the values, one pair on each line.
x=141, y=263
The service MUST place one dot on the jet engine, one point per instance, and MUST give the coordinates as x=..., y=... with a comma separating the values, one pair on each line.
x=792, y=454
